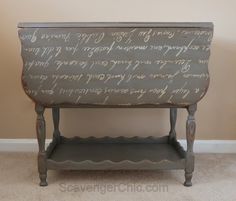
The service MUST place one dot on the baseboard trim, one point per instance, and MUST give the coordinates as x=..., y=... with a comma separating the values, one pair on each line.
x=200, y=146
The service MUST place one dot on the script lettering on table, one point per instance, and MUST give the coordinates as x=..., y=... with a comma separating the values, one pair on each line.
x=130, y=65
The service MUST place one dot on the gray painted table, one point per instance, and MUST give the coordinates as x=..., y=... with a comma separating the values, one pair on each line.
x=121, y=65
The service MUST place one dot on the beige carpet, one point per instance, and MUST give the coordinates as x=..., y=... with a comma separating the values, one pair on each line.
x=214, y=180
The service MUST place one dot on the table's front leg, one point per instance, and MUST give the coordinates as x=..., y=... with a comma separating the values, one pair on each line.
x=41, y=135
x=190, y=135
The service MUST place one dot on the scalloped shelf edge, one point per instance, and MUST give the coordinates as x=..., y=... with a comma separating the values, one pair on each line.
x=115, y=153
x=121, y=165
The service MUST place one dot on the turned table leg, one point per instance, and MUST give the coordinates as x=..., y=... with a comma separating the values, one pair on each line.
x=41, y=135
x=190, y=135
x=173, y=116
x=56, y=119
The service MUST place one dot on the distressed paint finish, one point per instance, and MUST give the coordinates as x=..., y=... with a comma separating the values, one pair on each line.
x=148, y=65
x=190, y=135
x=102, y=65
x=41, y=136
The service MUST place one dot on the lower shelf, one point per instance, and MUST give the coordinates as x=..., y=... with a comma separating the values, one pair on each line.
x=115, y=153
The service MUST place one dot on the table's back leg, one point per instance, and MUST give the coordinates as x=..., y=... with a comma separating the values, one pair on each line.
x=173, y=117
x=56, y=119
x=41, y=135
x=190, y=135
